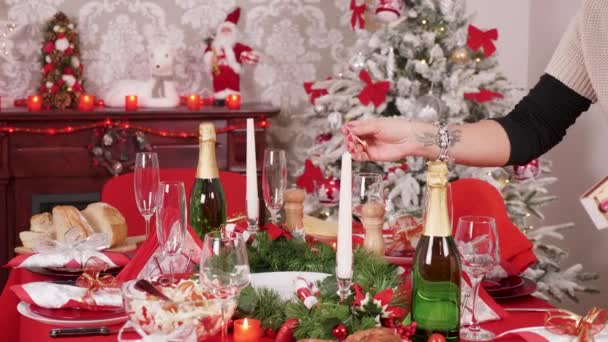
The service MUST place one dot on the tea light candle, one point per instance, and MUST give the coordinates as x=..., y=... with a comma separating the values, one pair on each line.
x=247, y=330
x=208, y=101
x=34, y=103
x=85, y=103
x=233, y=101
x=131, y=103
x=194, y=102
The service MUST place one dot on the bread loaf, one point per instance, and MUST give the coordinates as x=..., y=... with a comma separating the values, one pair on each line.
x=43, y=223
x=374, y=334
x=66, y=217
x=30, y=239
x=104, y=218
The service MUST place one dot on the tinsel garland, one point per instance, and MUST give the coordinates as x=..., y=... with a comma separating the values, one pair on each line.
x=372, y=273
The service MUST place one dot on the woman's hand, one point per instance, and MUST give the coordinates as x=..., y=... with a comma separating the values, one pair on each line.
x=385, y=139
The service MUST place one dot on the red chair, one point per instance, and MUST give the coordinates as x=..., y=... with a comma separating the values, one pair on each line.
x=118, y=192
x=480, y=198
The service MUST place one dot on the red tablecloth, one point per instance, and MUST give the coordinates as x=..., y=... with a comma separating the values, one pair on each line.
x=16, y=328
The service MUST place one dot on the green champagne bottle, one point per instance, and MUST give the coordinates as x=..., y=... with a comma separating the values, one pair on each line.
x=207, y=200
x=436, y=269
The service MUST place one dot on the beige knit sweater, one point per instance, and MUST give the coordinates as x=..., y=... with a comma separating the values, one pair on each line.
x=581, y=58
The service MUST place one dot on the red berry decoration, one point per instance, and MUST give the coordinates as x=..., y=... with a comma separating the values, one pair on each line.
x=436, y=338
x=340, y=332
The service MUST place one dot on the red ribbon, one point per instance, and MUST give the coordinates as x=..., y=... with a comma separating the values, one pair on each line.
x=373, y=92
x=484, y=95
x=381, y=299
x=311, y=174
x=564, y=322
x=275, y=232
x=357, y=17
x=312, y=92
x=482, y=39
x=92, y=280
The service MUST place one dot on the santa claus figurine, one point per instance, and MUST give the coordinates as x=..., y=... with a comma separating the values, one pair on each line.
x=224, y=56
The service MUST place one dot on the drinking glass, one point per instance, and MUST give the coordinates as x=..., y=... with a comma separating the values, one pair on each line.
x=146, y=180
x=367, y=188
x=477, y=243
x=274, y=181
x=171, y=219
x=224, y=268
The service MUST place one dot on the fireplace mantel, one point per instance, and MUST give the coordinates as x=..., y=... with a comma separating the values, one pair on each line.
x=40, y=167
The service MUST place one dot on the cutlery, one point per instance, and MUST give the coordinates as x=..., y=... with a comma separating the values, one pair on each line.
x=73, y=332
x=146, y=286
x=529, y=309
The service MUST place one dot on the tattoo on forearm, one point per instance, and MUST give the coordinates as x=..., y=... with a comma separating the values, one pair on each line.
x=432, y=139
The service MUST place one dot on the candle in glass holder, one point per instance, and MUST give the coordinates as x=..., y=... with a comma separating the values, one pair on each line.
x=233, y=101
x=247, y=330
x=131, y=103
x=34, y=103
x=194, y=102
x=85, y=103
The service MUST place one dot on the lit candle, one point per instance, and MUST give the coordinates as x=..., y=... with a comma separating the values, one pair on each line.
x=131, y=103
x=233, y=101
x=344, y=257
x=208, y=100
x=247, y=330
x=85, y=103
x=194, y=102
x=34, y=103
x=252, y=176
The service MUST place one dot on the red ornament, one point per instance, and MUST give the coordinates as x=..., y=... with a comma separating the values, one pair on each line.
x=68, y=51
x=527, y=171
x=358, y=15
x=67, y=70
x=60, y=82
x=48, y=47
x=484, y=95
x=436, y=338
x=340, y=332
x=373, y=92
x=54, y=89
x=285, y=332
x=47, y=68
x=77, y=87
x=314, y=93
x=482, y=39
x=269, y=332
x=390, y=10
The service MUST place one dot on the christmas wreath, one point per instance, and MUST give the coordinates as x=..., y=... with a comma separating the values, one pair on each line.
x=380, y=294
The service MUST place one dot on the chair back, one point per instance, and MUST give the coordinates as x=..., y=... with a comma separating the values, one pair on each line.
x=119, y=192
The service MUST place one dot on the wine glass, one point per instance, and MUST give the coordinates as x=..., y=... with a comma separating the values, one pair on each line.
x=367, y=188
x=146, y=181
x=224, y=268
x=171, y=220
x=477, y=242
x=274, y=181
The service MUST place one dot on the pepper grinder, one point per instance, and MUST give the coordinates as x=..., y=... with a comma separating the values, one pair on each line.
x=372, y=218
x=294, y=209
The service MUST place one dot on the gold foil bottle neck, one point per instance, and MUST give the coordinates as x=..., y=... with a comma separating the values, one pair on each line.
x=437, y=174
x=206, y=132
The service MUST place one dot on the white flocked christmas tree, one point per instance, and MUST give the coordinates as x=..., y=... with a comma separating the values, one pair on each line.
x=439, y=68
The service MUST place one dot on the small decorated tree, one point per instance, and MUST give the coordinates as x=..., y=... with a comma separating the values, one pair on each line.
x=62, y=70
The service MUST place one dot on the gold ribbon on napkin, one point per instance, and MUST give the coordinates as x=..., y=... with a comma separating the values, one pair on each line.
x=563, y=322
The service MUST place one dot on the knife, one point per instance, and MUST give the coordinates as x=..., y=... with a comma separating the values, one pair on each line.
x=74, y=332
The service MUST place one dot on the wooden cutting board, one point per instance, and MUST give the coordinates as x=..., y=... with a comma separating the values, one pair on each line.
x=318, y=227
x=129, y=245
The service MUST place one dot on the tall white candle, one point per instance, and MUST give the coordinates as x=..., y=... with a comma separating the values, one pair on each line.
x=344, y=258
x=252, y=177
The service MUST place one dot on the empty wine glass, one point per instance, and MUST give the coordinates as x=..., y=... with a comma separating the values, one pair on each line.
x=367, y=188
x=171, y=220
x=274, y=181
x=146, y=180
x=477, y=242
x=224, y=268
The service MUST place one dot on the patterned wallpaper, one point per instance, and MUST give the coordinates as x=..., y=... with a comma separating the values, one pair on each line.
x=298, y=40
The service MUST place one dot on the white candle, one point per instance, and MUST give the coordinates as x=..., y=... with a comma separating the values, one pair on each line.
x=344, y=258
x=252, y=177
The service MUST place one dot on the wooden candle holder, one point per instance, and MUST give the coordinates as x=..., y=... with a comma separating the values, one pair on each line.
x=372, y=218
x=294, y=208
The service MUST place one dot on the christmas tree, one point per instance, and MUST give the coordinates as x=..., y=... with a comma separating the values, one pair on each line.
x=430, y=64
x=61, y=83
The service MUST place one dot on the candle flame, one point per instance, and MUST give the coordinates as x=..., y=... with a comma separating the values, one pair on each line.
x=132, y=97
x=246, y=324
x=35, y=99
x=333, y=245
x=192, y=97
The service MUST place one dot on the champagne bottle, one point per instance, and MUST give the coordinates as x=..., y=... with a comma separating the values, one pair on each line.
x=207, y=201
x=436, y=269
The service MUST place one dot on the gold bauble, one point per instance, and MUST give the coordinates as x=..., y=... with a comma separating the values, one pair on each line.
x=460, y=55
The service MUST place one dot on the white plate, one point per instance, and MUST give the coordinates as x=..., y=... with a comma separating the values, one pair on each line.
x=24, y=309
x=542, y=331
x=283, y=282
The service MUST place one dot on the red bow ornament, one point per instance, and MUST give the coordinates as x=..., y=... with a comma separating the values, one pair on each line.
x=313, y=92
x=358, y=15
x=275, y=232
x=310, y=175
x=564, y=322
x=482, y=39
x=92, y=280
x=484, y=95
x=378, y=305
x=373, y=92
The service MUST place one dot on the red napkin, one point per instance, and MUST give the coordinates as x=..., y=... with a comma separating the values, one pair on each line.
x=476, y=197
x=59, y=296
x=145, y=264
x=112, y=259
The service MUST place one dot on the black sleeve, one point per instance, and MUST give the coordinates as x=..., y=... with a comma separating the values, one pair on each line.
x=539, y=121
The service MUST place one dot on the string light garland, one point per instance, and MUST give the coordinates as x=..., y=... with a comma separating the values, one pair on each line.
x=124, y=125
